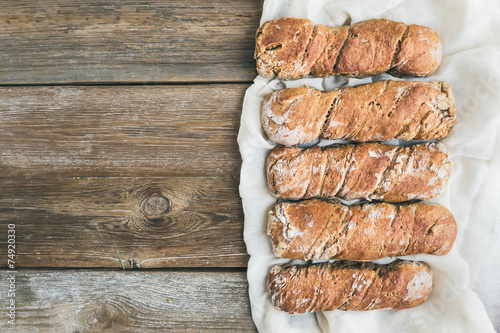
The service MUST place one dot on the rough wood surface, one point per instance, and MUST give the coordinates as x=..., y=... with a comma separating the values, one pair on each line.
x=136, y=131
x=120, y=301
x=50, y=41
x=148, y=171
x=82, y=222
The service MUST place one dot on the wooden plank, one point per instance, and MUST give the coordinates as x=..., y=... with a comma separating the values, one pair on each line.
x=49, y=41
x=82, y=222
x=120, y=131
x=111, y=301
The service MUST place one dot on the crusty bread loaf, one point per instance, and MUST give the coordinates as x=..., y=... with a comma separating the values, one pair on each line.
x=377, y=111
x=291, y=48
x=319, y=229
x=349, y=286
x=371, y=171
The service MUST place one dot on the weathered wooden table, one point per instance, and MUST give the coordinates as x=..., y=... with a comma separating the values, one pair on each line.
x=118, y=125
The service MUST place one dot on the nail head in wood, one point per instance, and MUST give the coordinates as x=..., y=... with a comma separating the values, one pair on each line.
x=155, y=205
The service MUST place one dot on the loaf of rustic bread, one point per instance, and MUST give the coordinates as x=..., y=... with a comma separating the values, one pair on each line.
x=371, y=171
x=291, y=48
x=376, y=111
x=349, y=286
x=319, y=229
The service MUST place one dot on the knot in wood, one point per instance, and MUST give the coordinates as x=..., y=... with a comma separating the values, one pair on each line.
x=103, y=315
x=155, y=205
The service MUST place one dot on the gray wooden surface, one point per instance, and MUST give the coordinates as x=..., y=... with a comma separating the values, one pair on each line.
x=50, y=41
x=118, y=126
x=119, y=301
x=127, y=131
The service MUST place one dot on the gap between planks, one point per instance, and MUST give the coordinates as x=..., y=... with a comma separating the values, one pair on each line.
x=127, y=270
x=125, y=84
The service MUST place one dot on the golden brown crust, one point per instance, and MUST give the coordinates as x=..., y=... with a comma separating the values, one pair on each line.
x=335, y=38
x=420, y=52
x=377, y=111
x=319, y=229
x=349, y=286
x=371, y=171
x=370, y=47
x=281, y=47
x=291, y=48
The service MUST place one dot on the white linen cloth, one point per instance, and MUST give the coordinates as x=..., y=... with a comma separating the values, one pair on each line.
x=470, y=33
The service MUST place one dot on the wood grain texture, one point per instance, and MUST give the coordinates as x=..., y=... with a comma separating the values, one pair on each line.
x=120, y=131
x=112, y=301
x=148, y=171
x=82, y=222
x=83, y=41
